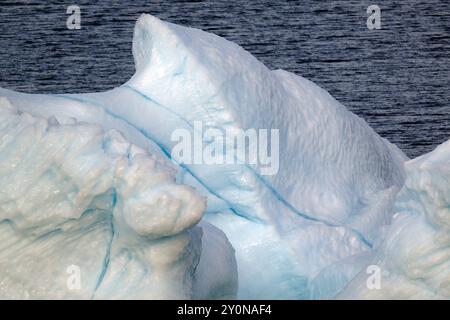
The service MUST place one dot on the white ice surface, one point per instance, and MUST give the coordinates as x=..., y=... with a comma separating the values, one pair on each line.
x=304, y=232
x=73, y=195
x=414, y=258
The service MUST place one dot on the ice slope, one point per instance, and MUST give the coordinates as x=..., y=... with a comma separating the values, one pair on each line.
x=74, y=198
x=336, y=182
x=414, y=258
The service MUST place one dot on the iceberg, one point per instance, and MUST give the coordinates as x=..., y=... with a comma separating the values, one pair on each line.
x=98, y=170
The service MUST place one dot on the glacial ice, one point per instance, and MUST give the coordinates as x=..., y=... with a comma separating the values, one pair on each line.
x=89, y=180
x=74, y=195
x=414, y=256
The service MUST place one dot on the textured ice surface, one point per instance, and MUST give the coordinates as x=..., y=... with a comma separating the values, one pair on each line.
x=414, y=258
x=303, y=232
x=74, y=195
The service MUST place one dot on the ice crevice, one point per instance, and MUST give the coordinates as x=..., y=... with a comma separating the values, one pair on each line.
x=107, y=258
x=163, y=148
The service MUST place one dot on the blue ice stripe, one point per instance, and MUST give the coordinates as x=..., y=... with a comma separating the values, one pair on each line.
x=266, y=183
x=164, y=149
x=107, y=258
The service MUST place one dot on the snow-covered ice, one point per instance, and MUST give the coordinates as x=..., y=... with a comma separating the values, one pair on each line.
x=89, y=180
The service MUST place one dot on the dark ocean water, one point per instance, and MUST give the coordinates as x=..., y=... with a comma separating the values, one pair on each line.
x=396, y=78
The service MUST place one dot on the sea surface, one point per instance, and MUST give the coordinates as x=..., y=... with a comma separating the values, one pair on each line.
x=396, y=78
